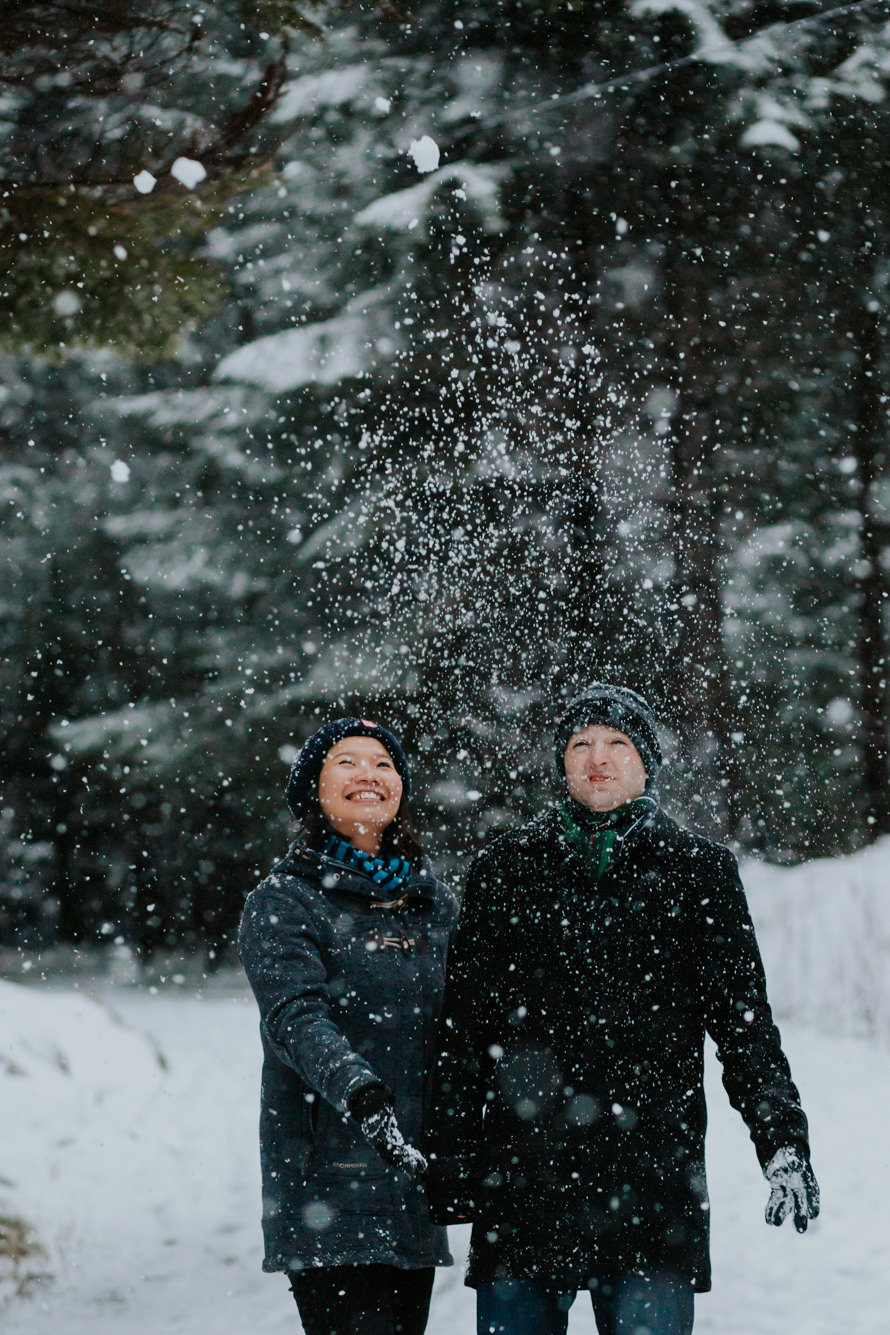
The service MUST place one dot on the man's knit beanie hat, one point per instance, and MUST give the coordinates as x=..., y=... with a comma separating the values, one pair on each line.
x=615, y=707
x=302, y=783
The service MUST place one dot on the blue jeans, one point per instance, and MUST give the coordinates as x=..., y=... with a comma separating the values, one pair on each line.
x=626, y=1305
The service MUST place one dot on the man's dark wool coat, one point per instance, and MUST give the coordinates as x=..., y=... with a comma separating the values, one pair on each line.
x=349, y=993
x=568, y=1108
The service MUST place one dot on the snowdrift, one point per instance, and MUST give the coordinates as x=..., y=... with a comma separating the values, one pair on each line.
x=74, y=1086
x=112, y=1158
x=824, y=930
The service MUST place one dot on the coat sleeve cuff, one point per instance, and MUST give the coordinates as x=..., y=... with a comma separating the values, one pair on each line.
x=767, y=1148
x=347, y=1082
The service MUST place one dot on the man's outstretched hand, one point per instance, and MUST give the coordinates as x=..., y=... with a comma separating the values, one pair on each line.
x=795, y=1190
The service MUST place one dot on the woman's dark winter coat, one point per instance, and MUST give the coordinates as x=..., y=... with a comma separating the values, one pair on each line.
x=569, y=1113
x=349, y=993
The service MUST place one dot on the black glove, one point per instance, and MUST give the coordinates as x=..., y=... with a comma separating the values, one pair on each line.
x=373, y=1108
x=794, y=1188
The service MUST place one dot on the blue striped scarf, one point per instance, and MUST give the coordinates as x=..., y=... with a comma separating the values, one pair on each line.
x=387, y=873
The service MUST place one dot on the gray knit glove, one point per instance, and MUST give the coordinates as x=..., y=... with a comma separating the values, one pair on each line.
x=372, y=1107
x=794, y=1188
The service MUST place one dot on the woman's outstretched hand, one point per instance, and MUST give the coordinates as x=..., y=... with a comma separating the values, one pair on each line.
x=373, y=1109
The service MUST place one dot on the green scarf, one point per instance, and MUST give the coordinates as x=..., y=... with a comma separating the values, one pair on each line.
x=594, y=834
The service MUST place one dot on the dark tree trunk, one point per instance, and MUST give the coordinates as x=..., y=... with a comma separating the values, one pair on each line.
x=70, y=924
x=701, y=680
x=871, y=583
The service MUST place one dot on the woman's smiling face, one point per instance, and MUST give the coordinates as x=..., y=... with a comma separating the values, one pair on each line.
x=359, y=791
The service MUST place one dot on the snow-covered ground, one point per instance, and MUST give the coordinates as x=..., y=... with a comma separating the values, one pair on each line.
x=129, y=1143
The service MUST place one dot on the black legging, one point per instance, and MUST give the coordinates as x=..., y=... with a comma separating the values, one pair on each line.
x=363, y=1299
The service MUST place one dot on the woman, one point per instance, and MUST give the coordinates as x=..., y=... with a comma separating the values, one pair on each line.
x=344, y=945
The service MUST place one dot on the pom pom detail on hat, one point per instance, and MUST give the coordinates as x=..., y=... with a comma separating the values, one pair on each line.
x=302, y=782
x=615, y=707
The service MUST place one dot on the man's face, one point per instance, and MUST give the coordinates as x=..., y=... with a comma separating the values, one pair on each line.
x=603, y=768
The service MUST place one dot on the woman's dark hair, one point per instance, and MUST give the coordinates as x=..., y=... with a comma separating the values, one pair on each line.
x=399, y=836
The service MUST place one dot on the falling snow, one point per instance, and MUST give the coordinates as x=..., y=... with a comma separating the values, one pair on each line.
x=188, y=172
x=116, y=1098
x=425, y=153
x=431, y=367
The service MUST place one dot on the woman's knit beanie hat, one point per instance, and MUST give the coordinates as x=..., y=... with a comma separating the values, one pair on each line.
x=302, y=781
x=615, y=707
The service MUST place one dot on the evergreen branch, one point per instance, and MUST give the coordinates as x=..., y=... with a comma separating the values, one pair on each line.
x=632, y=77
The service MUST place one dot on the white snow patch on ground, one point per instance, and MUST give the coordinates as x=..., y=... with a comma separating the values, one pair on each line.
x=142, y=1180
x=78, y=1089
x=824, y=931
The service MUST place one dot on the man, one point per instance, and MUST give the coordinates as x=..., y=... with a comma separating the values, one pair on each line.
x=596, y=946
